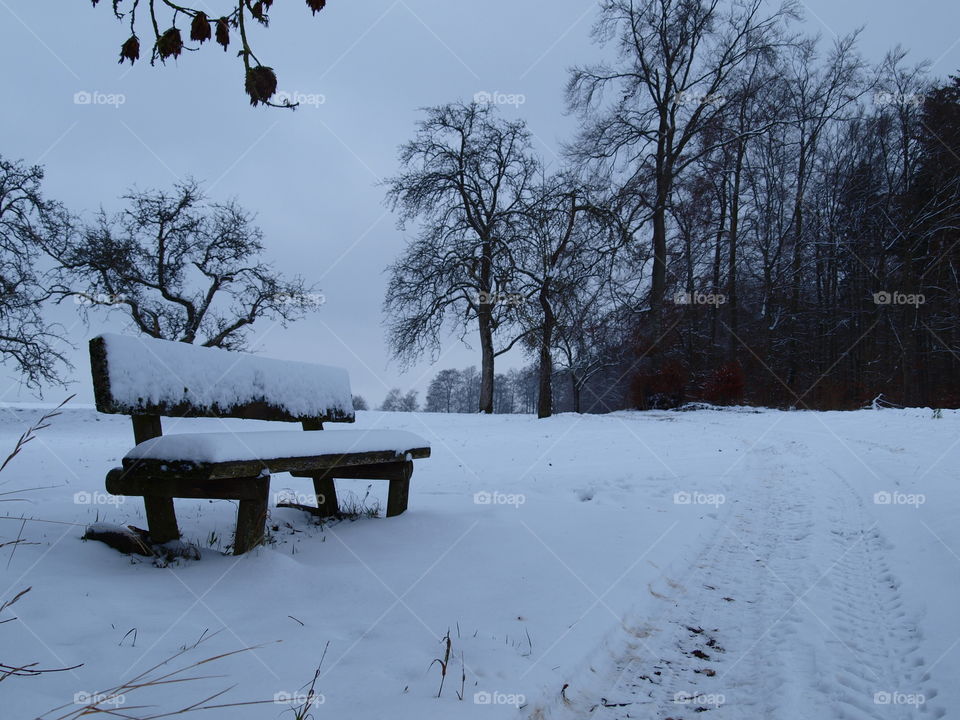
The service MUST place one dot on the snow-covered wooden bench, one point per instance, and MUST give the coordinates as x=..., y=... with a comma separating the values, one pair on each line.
x=149, y=379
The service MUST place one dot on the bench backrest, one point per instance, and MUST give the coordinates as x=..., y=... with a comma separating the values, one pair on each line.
x=144, y=376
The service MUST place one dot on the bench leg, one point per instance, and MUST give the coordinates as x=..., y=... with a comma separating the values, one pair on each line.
x=326, y=493
x=399, y=489
x=252, y=517
x=161, y=519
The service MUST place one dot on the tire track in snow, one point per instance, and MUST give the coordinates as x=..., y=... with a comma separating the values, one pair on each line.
x=791, y=612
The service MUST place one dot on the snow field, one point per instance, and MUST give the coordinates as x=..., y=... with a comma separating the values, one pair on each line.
x=577, y=551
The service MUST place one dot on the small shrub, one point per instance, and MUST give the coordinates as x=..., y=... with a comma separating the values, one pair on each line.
x=725, y=386
x=663, y=388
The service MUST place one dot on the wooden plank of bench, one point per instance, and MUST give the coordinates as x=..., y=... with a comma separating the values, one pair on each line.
x=251, y=492
x=398, y=473
x=324, y=489
x=161, y=517
x=304, y=466
x=123, y=482
x=252, y=515
x=399, y=490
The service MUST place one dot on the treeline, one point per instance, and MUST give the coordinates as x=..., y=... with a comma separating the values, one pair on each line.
x=515, y=391
x=456, y=391
x=746, y=215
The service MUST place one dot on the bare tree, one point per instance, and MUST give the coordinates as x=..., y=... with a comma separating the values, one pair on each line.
x=163, y=22
x=454, y=391
x=565, y=243
x=466, y=173
x=590, y=339
x=183, y=268
x=816, y=95
x=724, y=160
x=27, y=341
x=391, y=403
x=674, y=61
x=441, y=393
x=396, y=401
x=468, y=390
x=504, y=399
x=409, y=402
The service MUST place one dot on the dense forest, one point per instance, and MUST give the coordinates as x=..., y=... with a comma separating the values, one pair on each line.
x=747, y=215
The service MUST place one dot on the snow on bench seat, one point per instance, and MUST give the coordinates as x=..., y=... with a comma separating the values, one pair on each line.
x=263, y=446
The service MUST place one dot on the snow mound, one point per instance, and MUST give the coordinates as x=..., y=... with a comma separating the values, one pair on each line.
x=219, y=447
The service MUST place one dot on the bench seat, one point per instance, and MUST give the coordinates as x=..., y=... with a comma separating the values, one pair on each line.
x=274, y=451
x=238, y=466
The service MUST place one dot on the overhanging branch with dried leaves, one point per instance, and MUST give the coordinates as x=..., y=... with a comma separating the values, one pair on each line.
x=167, y=19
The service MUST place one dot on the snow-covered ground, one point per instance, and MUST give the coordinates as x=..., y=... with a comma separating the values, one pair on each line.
x=716, y=564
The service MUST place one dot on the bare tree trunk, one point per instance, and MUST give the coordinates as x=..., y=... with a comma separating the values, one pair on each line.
x=796, y=269
x=664, y=183
x=658, y=287
x=732, y=257
x=486, y=359
x=717, y=255
x=485, y=321
x=545, y=400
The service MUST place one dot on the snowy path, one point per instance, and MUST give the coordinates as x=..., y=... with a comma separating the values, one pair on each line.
x=790, y=612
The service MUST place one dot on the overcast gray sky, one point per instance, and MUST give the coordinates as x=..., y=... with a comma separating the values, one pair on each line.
x=311, y=175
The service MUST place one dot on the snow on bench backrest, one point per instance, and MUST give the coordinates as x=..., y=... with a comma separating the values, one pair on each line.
x=146, y=376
